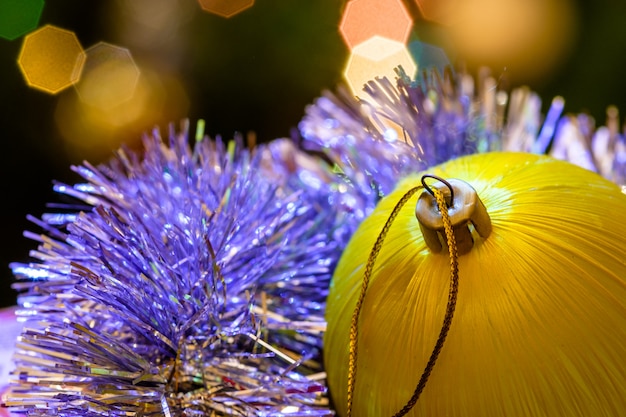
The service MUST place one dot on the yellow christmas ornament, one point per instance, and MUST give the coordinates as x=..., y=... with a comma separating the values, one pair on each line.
x=493, y=286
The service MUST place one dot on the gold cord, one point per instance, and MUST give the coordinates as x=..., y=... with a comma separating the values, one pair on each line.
x=354, y=325
x=447, y=321
x=452, y=296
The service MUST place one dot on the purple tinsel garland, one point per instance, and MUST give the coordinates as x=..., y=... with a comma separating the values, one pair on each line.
x=395, y=129
x=193, y=282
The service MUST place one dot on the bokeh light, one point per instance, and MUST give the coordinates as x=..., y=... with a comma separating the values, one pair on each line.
x=51, y=59
x=92, y=132
x=155, y=14
x=363, y=19
x=427, y=57
x=154, y=26
x=225, y=8
x=110, y=76
x=376, y=57
x=18, y=17
x=439, y=11
x=527, y=37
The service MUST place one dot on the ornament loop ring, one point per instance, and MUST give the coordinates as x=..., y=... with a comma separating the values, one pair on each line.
x=431, y=192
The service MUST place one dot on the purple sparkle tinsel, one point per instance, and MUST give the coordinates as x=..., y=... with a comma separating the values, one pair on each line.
x=402, y=127
x=191, y=282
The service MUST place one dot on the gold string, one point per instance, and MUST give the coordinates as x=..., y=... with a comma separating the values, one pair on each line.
x=452, y=297
x=354, y=325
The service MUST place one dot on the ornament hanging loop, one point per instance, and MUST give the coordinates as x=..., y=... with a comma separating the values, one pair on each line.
x=449, y=196
x=467, y=214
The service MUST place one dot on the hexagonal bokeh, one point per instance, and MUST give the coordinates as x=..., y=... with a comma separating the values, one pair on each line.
x=376, y=57
x=225, y=8
x=363, y=19
x=443, y=12
x=428, y=56
x=90, y=132
x=51, y=59
x=109, y=77
x=18, y=17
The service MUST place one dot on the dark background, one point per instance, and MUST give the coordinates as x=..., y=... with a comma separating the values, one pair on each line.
x=253, y=72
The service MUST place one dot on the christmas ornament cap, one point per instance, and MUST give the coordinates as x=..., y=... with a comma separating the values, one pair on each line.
x=467, y=212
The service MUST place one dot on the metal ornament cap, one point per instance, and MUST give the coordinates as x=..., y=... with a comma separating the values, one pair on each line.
x=466, y=212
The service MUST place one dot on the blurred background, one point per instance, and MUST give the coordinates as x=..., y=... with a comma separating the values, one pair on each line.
x=77, y=78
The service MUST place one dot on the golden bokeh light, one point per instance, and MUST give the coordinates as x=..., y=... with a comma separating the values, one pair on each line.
x=51, y=59
x=527, y=37
x=225, y=8
x=363, y=19
x=439, y=11
x=93, y=132
x=376, y=57
x=110, y=76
